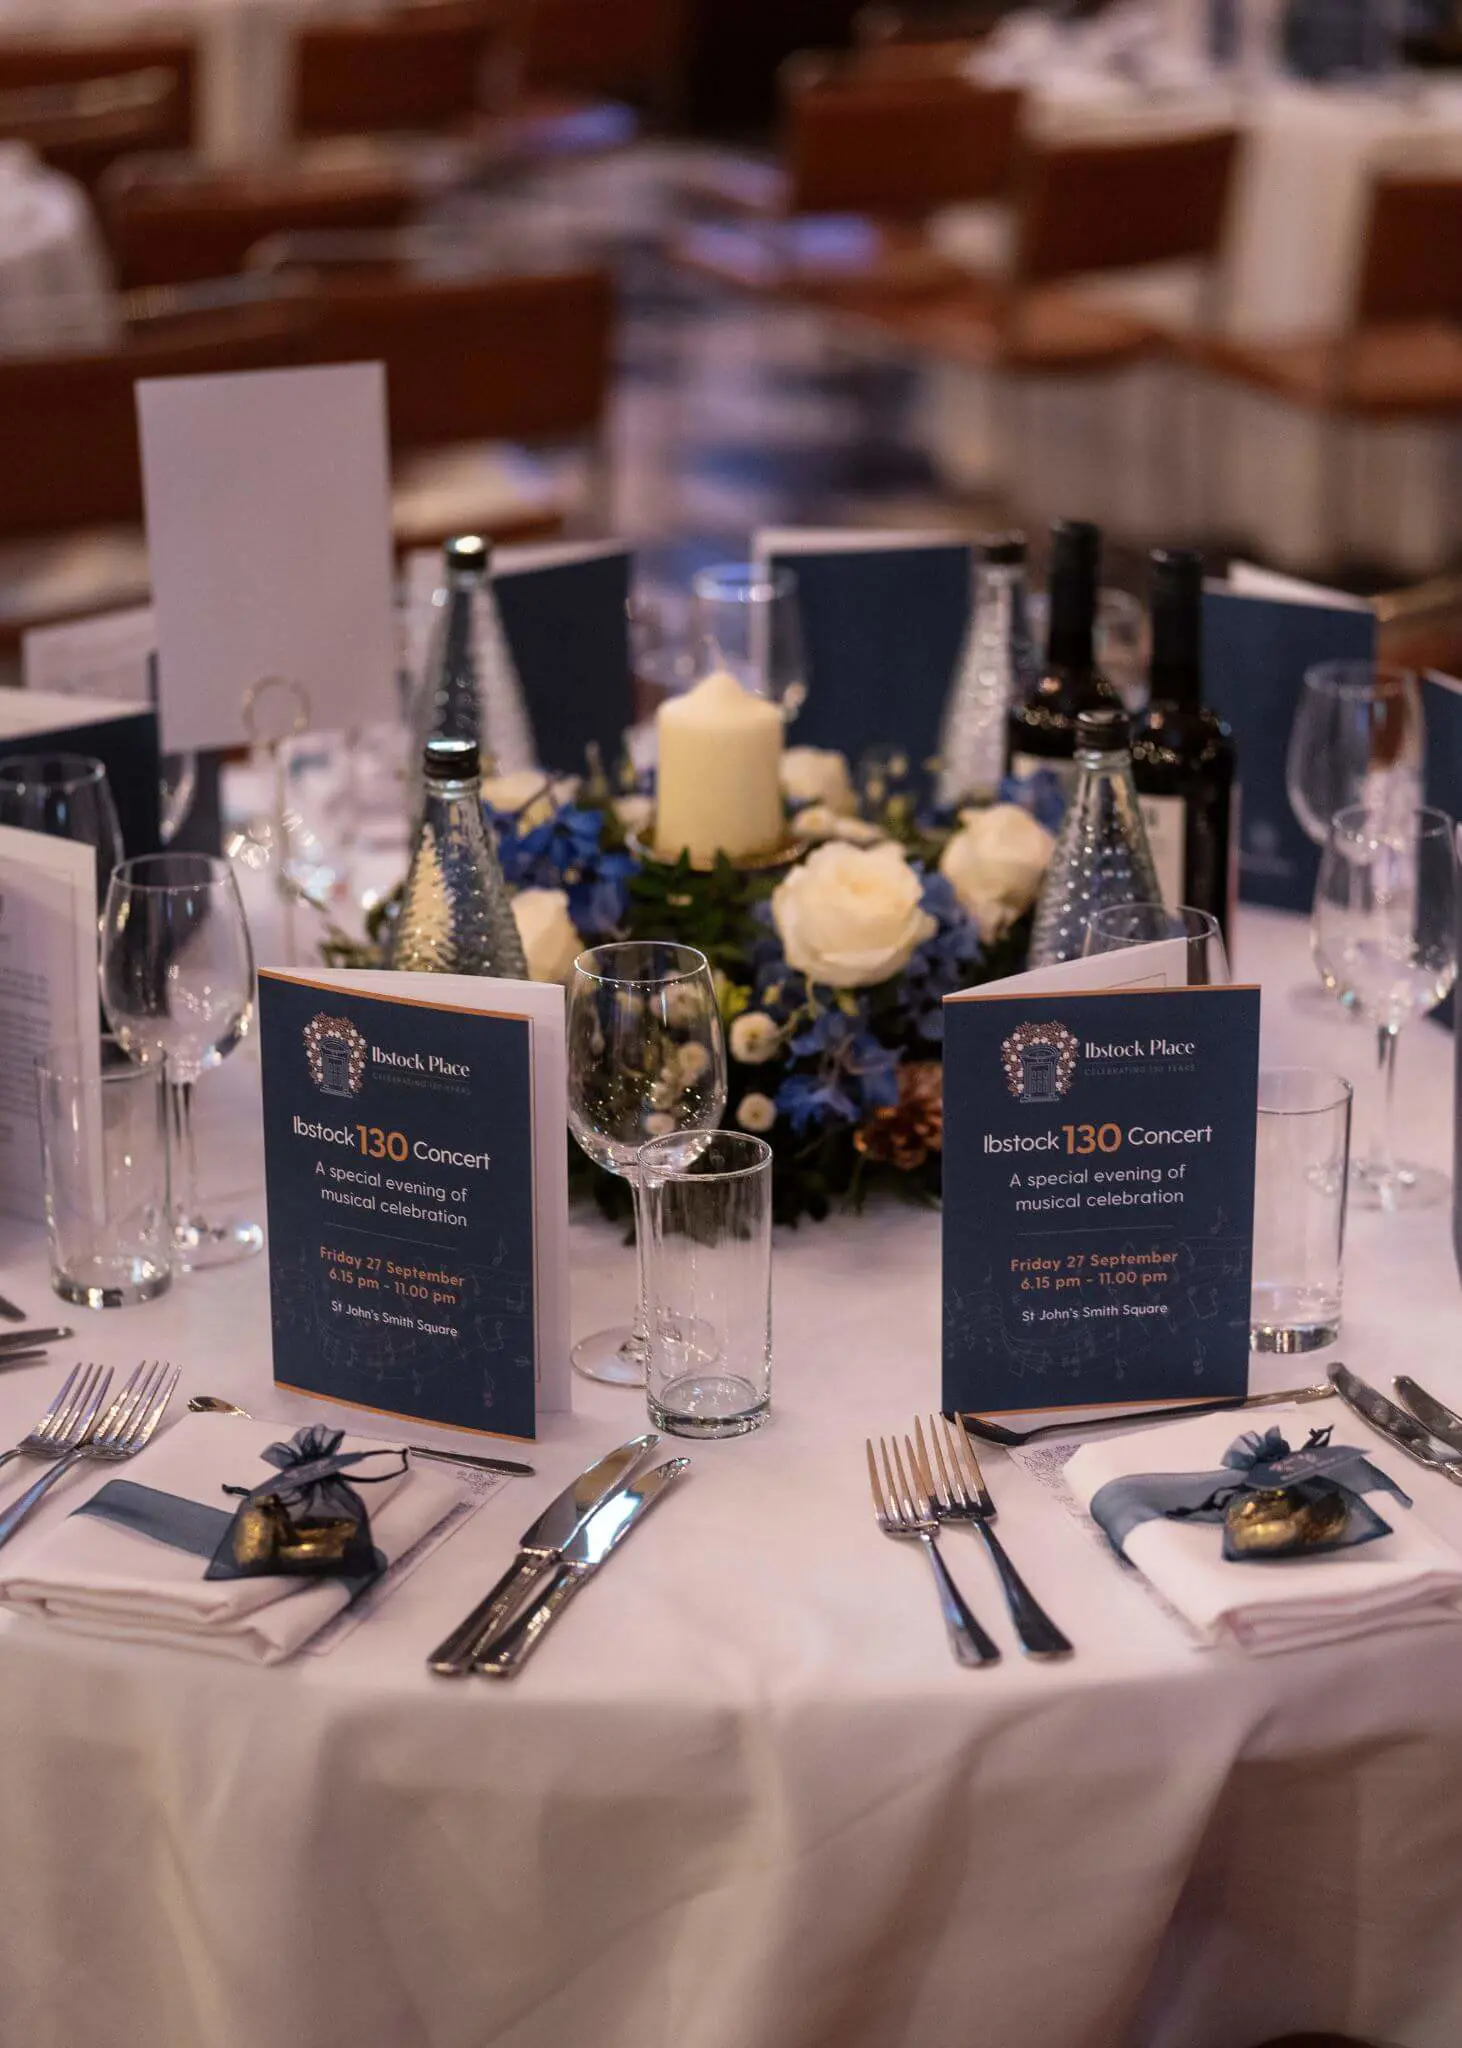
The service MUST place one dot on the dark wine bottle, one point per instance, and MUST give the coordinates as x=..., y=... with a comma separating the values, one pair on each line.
x=1043, y=726
x=1183, y=753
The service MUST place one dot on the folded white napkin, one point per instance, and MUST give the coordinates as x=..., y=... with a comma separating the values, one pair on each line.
x=1408, y=1579
x=98, y=1578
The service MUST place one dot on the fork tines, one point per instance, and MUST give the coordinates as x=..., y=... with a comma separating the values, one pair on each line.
x=137, y=1410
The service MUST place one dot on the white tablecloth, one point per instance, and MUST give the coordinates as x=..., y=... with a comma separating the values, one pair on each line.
x=745, y=1799
x=54, y=284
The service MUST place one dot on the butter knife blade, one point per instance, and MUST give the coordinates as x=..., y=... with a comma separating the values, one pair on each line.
x=1432, y=1414
x=27, y=1340
x=1399, y=1428
x=587, y=1554
x=539, y=1547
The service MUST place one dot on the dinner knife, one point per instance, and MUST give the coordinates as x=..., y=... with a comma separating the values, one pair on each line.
x=539, y=1547
x=10, y=1312
x=24, y=1340
x=9, y=1358
x=1394, y=1424
x=1432, y=1414
x=604, y=1531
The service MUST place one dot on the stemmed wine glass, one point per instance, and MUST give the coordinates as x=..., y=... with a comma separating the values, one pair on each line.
x=177, y=978
x=1117, y=926
x=1384, y=936
x=1359, y=737
x=67, y=796
x=745, y=618
x=646, y=1057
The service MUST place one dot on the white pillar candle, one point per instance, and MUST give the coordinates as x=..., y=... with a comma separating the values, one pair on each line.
x=719, y=788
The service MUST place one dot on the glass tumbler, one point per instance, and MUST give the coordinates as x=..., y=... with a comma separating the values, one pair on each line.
x=1301, y=1177
x=706, y=1231
x=104, y=1156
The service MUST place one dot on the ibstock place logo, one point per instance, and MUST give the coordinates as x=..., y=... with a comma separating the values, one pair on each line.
x=1039, y=1062
x=336, y=1052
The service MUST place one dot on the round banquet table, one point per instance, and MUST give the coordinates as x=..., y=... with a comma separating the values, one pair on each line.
x=744, y=1798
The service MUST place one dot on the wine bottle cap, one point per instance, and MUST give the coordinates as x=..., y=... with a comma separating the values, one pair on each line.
x=1102, y=732
x=451, y=760
x=468, y=551
x=1002, y=548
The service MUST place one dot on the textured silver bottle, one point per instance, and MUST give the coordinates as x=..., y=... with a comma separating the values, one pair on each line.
x=997, y=667
x=470, y=689
x=1102, y=855
x=456, y=915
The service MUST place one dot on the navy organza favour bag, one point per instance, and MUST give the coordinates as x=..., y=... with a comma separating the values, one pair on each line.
x=308, y=1521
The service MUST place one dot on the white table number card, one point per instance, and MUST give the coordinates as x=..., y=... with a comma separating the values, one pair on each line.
x=269, y=533
x=48, y=989
x=417, y=1184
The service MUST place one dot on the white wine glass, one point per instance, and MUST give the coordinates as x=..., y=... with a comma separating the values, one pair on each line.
x=1359, y=737
x=1384, y=936
x=177, y=982
x=68, y=797
x=745, y=618
x=646, y=1058
x=1117, y=926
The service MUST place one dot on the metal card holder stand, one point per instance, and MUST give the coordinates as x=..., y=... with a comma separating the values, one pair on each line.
x=275, y=710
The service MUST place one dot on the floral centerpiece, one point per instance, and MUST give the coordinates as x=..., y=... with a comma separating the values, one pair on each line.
x=831, y=970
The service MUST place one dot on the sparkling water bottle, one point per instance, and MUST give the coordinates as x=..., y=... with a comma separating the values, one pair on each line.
x=997, y=668
x=456, y=915
x=470, y=689
x=1102, y=856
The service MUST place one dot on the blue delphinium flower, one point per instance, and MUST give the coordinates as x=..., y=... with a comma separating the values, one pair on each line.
x=841, y=1072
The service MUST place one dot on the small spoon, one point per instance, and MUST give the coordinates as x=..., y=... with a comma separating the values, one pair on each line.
x=214, y=1404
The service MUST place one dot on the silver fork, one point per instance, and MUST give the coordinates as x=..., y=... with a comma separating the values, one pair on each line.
x=902, y=1510
x=957, y=1488
x=69, y=1416
x=128, y=1424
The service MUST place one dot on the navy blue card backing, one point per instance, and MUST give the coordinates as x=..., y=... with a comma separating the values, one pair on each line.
x=1255, y=653
x=399, y=1173
x=1098, y=1197
x=568, y=627
x=883, y=629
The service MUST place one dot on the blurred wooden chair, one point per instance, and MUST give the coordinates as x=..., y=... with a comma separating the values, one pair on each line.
x=1361, y=428
x=1081, y=208
x=471, y=364
x=633, y=50
x=82, y=128
x=71, y=538
x=433, y=66
x=28, y=61
x=1400, y=352
x=170, y=220
x=891, y=151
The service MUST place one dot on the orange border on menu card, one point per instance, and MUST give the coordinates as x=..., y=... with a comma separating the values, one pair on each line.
x=444, y=1010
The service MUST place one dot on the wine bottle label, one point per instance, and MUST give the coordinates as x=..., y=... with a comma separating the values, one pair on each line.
x=1024, y=765
x=1166, y=819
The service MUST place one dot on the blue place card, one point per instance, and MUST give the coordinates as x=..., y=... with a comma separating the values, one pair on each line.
x=1098, y=1197
x=415, y=1172
x=883, y=626
x=1255, y=653
x=565, y=614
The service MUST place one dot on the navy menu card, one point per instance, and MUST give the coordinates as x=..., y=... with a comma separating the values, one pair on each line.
x=416, y=1174
x=565, y=613
x=883, y=624
x=1098, y=1197
x=1255, y=653
x=123, y=737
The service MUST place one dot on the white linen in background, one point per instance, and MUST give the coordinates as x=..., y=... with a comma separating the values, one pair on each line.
x=1409, y=1579
x=743, y=1797
x=55, y=286
x=90, y=1576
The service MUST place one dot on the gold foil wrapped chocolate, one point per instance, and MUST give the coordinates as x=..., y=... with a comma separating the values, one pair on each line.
x=1284, y=1521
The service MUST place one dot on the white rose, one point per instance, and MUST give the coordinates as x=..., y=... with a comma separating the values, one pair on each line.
x=635, y=813
x=527, y=795
x=754, y=1038
x=756, y=1113
x=818, y=821
x=547, y=931
x=818, y=775
x=850, y=916
x=995, y=863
